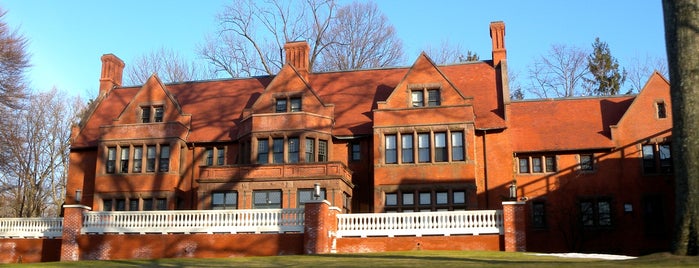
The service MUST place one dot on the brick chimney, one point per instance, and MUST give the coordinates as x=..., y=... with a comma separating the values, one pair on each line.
x=297, y=55
x=112, y=70
x=497, y=34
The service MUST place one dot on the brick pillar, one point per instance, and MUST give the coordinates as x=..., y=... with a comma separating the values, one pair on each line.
x=72, y=223
x=320, y=223
x=514, y=221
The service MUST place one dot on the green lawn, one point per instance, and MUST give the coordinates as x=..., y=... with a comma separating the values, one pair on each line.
x=439, y=259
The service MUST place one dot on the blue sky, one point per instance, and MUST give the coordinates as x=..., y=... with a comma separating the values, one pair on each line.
x=68, y=37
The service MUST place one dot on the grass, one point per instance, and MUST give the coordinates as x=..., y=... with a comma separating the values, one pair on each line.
x=440, y=259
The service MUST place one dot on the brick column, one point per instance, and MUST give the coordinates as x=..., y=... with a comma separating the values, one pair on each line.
x=514, y=221
x=320, y=223
x=72, y=223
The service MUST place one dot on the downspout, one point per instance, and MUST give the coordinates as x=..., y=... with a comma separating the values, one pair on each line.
x=485, y=171
x=193, y=204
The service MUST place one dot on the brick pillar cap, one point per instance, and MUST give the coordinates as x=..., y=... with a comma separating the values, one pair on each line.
x=77, y=206
x=513, y=203
x=319, y=201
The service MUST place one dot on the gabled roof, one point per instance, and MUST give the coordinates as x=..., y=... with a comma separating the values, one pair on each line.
x=217, y=105
x=152, y=91
x=423, y=71
x=656, y=82
x=565, y=124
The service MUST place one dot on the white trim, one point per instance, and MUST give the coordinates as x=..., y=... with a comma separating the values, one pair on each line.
x=77, y=206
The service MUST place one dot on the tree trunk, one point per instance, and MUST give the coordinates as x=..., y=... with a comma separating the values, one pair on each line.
x=682, y=39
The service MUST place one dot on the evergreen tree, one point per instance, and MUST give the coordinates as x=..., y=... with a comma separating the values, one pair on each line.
x=604, y=69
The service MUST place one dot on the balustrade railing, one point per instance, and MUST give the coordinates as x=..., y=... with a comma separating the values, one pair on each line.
x=420, y=223
x=31, y=227
x=194, y=221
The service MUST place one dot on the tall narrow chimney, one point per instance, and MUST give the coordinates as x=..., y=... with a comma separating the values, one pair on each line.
x=112, y=70
x=297, y=55
x=497, y=34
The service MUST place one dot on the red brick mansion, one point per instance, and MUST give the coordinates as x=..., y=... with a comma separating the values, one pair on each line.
x=595, y=172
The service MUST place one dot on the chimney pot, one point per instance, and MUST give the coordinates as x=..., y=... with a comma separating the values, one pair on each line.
x=112, y=72
x=297, y=55
x=497, y=34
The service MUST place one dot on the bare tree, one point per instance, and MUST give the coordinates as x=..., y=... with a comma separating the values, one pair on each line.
x=361, y=38
x=169, y=66
x=252, y=34
x=36, y=146
x=14, y=60
x=682, y=39
x=559, y=73
x=450, y=53
x=639, y=72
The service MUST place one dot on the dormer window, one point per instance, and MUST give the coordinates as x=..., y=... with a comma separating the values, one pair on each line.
x=284, y=105
x=418, y=97
x=295, y=104
x=158, y=116
x=433, y=98
x=152, y=114
x=281, y=106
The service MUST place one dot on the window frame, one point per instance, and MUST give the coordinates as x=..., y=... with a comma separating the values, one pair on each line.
x=417, y=98
x=295, y=104
x=539, y=214
x=391, y=149
x=124, y=159
x=164, y=158
x=424, y=148
x=458, y=152
x=586, y=165
x=656, y=158
x=323, y=151
x=355, y=151
x=409, y=200
x=661, y=109
x=310, y=150
x=293, y=150
x=145, y=114
x=288, y=104
x=523, y=165
x=224, y=204
x=154, y=113
x=268, y=203
x=158, y=113
x=110, y=165
x=536, y=163
x=434, y=98
x=302, y=193
x=137, y=159
x=425, y=96
x=278, y=150
x=596, y=212
x=281, y=105
x=151, y=156
x=263, y=151
x=441, y=153
x=407, y=148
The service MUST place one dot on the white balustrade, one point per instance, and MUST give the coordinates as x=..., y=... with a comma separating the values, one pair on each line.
x=194, y=221
x=445, y=223
x=31, y=227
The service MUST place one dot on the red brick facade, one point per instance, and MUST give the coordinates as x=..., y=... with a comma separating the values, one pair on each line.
x=419, y=138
